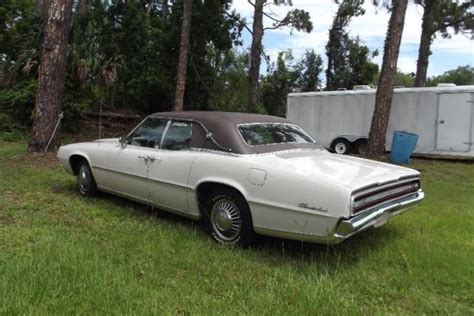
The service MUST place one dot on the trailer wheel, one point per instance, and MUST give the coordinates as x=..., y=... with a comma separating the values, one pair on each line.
x=341, y=146
x=360, y=146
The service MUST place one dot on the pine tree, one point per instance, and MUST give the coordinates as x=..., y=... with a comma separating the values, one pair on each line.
x=440, y=16
x=383, y=98
x=337, y=50
x=309, y=70
x=183, y=54
x=51, y=73
x=295, y=19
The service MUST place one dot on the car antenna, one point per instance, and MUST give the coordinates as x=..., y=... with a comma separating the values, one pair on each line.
x=100, y=118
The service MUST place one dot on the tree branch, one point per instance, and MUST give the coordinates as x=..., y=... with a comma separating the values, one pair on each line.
x=273, y=27
x=271, y=17
x=446, y=25
x=267, y=60
x=241, y=21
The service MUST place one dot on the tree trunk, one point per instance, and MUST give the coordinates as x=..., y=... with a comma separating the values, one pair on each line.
x=40, y=5
x=183, y=54
x=165, y=9
x=51, y=72
x=425, y=43
x=81, y=7
x=255, y=55
x=383, y=98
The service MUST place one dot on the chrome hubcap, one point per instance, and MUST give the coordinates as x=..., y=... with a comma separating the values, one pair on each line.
x=83, y=180
x=225, y=219
x=340, y=148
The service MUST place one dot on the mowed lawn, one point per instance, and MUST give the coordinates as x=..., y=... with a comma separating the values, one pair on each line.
x=61, y=253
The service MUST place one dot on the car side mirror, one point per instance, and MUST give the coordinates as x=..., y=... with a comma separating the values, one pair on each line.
x=123, y=141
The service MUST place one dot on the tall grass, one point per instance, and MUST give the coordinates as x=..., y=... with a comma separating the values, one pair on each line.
x=61, y=253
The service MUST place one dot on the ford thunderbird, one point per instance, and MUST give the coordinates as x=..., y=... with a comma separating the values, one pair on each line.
x=243, y=174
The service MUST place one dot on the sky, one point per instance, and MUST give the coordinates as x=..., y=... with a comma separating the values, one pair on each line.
x=371, y=29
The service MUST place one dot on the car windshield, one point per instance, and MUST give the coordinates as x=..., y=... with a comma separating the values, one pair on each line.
x=273, y=133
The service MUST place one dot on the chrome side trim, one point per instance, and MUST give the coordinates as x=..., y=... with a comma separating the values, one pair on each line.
x=120, y=172
x=288, y=208
x=270, y=153
x=149, y=203
x=349, y=227
x=143, y=177
x=320, y=239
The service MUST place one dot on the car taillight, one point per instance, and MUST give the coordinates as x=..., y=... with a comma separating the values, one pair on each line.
x=364, y=200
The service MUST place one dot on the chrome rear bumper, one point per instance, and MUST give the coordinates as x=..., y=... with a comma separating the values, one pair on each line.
x=374, y=218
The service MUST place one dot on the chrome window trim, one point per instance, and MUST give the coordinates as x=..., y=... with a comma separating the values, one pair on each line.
x=141, y=123
x=169, y=121
x=138, y=125
x=165, y=133
x=206, y=131
x=274, y=123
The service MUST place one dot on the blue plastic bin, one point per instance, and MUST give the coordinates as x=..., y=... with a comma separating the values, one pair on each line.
x=403, y=145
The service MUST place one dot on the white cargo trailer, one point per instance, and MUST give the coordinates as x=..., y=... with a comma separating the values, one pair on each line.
x=443, y=117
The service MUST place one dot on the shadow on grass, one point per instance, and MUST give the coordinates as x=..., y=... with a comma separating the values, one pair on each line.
x=347, y=253
x=132, y=208
x=267, y=250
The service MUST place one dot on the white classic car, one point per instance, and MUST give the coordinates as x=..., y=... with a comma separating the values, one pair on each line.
x=244, y=174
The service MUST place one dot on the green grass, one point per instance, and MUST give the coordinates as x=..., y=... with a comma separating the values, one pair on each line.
x=61, y=253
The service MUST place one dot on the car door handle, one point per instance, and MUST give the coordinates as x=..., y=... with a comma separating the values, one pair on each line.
x=152, y=158
x=149, y=158
x=144, y=158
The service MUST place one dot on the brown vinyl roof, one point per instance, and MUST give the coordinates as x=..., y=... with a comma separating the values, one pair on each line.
x=223, y=126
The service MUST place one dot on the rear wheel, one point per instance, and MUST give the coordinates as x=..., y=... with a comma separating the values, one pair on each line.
x=228, y=218
x=85, y=180
x=341, y=146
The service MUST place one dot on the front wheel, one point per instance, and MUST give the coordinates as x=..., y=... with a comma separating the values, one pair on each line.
x=85, y=181
x=228, y=218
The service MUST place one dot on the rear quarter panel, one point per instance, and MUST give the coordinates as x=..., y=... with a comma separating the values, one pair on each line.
x=277, y=204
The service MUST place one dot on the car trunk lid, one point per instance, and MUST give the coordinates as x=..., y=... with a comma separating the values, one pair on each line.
x=352, y=172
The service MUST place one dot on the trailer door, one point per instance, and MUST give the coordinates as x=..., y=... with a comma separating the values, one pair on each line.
x=454, y=121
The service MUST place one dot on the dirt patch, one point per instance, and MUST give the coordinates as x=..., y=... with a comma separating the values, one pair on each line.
x=42, y=160
x=6, y=220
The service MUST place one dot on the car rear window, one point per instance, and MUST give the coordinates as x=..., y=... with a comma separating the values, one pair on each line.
x=273, y=133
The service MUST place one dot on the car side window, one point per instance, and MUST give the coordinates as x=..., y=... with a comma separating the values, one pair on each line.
x=178, y=136
x=148, y=134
